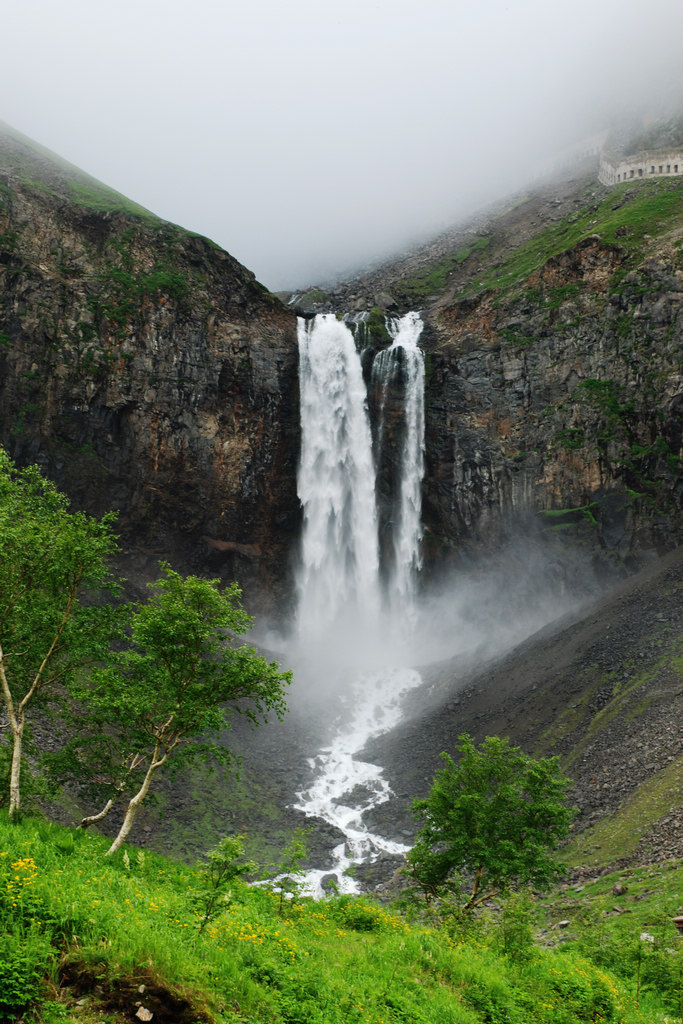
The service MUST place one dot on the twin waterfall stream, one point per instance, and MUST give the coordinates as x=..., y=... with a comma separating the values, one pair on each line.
x=362, y=462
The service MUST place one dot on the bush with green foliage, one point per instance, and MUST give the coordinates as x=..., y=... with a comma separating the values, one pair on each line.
x=220, y=871
x=489, y=822
x=169, y=691
x=287, y=874
x=25, y=958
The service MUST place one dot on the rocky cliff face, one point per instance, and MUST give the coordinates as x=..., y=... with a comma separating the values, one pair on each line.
x=146, y=370
x=563, y=401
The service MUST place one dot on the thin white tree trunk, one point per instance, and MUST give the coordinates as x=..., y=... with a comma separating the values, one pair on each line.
x=15, y=772
x=16, y=713
x=135, y=801
x=16, y=722
x=133, y=762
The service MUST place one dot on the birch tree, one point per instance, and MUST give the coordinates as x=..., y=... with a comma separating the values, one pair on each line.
x=54, y=565
x=175, y=686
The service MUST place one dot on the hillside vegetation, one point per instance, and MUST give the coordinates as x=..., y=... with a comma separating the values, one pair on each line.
x=39, y=168
x=629, y=216
x=88, y=940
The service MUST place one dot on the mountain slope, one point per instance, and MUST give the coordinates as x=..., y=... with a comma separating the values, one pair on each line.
x=603, y=690
x=555, y=385
x=145, y=370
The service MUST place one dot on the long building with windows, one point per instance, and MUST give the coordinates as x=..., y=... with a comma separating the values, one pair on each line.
x=653, y=163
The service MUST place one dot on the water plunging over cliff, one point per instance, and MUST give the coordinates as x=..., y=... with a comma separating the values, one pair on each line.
x=353, y=610
x=402, y=365
x=336, y=482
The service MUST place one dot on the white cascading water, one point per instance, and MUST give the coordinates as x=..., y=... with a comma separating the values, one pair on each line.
x=408, y=532
x=342, y=626
x=340, y=560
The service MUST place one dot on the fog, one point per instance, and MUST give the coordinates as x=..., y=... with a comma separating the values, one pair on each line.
x=308, y=139
x=468, y=617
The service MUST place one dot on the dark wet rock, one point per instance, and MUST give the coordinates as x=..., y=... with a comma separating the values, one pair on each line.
x=379, y=872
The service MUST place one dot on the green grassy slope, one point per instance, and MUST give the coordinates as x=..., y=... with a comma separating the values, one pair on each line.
x=37, y=166
x=629, y=216
x=632, y=216
x=88, y=940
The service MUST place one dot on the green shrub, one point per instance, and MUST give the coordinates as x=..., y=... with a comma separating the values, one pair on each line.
x=515, y=936
x=357, y=914
x=24, y=961
x=584, y=989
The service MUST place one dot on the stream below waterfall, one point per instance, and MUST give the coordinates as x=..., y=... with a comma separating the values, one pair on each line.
x=344, y=788
x=356, y=593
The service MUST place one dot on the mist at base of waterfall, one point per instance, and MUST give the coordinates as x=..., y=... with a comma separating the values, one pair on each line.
x=477, y=613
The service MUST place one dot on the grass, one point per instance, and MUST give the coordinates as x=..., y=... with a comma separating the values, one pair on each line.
x=93, y=931
x=95, y=196
x=629, y=216
x=44, y=170
x=619, y=834
x=622, y=703
x=433, y=279
x=648, y=208
x=47, y=172
x=568, y=718
x=313, y=295
x=622, y=922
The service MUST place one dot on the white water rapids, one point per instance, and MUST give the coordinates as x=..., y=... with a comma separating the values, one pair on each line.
x=354, y=614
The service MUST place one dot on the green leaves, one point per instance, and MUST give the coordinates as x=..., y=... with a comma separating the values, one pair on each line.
x=129, y=685
x=50, y=558
x=213, y=893
x=24, y=961
x=180, y=678
x=495, y=816
x=184, y=665
x=54, y=565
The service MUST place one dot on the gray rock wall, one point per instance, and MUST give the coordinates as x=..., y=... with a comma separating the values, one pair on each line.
x=144, y=369
x=567, y=398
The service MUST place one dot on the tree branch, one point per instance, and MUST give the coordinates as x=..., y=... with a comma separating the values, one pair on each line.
x=60, y=629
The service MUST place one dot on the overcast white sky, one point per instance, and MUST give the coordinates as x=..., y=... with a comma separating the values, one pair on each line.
x=307, y=137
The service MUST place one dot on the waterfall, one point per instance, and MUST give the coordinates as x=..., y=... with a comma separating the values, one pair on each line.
x=349, y=638
x=403, y=364
x=340, y=561
x=339, y=558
